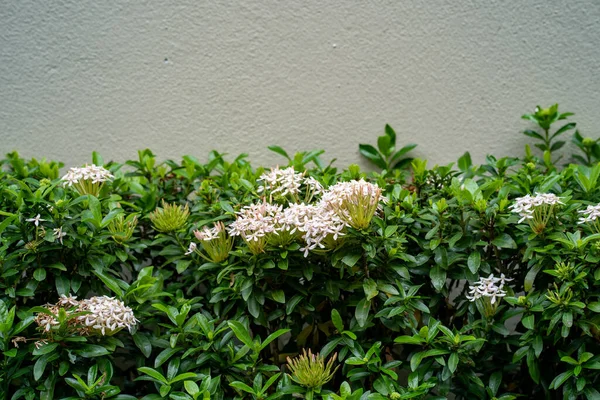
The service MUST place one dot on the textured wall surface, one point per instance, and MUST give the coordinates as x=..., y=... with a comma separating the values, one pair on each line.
x=188, y=76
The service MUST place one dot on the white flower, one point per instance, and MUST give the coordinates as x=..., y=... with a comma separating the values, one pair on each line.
x=59, y=234
x=526, y=206
x=281, y=182
x=107, y=315
x=93, y=173
x=288, y=184
x=36, y=220
x=191, y=248
x=319, y=225
x=488, y=287
x=590, y=214
x=354, y=202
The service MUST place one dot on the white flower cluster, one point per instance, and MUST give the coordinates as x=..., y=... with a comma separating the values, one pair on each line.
x=320, y=225
x=525, y=206
x=256, y=221
x=93, y=173
x=287, y=182
x=105, y=314
x=316, y=222
x=488, y=287
x=207, y=234
x=590, y=214
x=355, y=202
x=352, y=191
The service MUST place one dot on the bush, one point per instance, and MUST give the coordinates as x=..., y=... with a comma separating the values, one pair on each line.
x=216, y=280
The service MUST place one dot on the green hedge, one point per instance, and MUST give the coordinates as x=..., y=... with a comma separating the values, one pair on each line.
x=227, y=281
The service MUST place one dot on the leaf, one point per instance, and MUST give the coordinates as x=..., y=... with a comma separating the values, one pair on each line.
x=242, y=386
x=337, y=320
x=495, y=381
x=279, y=151
x=408, y=340
x=560, y=379
x=272, y=337
x=438, y=277
x=504, y=241
x=39, y=274
x=241, y=333
x=278, y=296
x=351, y=259
x=384, y=145
x=62, y=285
x=390, y=133
x=164, y=356
x=453, y=362
x=109, y=282
x=528, y=321
x=533, y=134
x=370, y=288
x=595, y=306
x=191, y=387
x=530, y=277
x=143, y=343
x=291, y=305
x=464, y=162
x=39, y=367
x=45, y=349
x=372, y=154
x=474, y=261
x=92, y=350
x=400, y=153
x=362, y=312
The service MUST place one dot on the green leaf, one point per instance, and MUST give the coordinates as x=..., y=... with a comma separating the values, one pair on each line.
x=164, y=356
x=109, y=282
x=453, y=362
x=272, y=337
x=191, y=387
x=370, y=288
x=143, y=343
x=337, y=320
x=280, y=151
x=384, y=145
x=465, y=162
x=390, y=133
x=351, y=259
x=372, y=154
x=291, y=305
x=62, y=285
x=595, y=307
x=278, y=296
x=39, y=367
x=45, y=349
x=530, y=277
x=495, y=381
x=560, y=379
x=408, y=340
x=362, y=312
x=528, y=321
x=438, y=277
x=39, y=274
x=474, y=261
x=92, y=350
x=504, y=241
x=242, y=386
x=241, y=333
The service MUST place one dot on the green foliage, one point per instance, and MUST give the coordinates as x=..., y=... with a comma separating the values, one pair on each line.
x=385, y=156
x=446, y=288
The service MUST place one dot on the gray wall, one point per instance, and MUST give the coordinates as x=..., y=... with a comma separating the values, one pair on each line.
x=185, y=77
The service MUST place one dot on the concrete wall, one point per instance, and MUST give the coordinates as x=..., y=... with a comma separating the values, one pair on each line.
x=188, y=76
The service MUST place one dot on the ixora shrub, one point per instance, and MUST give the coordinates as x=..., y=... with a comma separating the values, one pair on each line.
x=220, y=281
